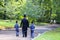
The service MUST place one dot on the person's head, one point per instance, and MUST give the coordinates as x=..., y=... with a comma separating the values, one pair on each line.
x=24, y=15
x=32, y=22
x=16, y=21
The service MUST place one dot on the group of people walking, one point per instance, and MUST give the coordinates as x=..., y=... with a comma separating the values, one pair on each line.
x=25, y=24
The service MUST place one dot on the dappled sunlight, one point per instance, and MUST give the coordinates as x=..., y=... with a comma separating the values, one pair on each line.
x=43, y=14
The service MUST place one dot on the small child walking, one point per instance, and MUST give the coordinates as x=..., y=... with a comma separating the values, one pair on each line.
x=16, y=26
x=32, y=27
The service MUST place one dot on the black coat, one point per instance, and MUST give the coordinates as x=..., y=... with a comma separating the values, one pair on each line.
x=24, y=24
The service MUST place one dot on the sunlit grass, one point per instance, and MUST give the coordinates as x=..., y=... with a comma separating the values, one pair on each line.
x=41, y=24
x=8, y=23
x=51, y=35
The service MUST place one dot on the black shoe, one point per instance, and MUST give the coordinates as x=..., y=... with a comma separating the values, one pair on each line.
x=17, y=35
x=23, y=35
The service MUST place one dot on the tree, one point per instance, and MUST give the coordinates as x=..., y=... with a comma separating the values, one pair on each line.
x=39, y=10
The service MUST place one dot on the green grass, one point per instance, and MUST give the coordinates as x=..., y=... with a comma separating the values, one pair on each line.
x=7, y=23
x=41, y=24
x=51, y=35
x=4, y=23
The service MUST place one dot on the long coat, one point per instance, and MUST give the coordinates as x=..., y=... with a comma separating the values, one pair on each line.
x=24, y=24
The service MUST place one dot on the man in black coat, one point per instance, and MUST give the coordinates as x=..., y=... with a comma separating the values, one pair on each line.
x=25, y=25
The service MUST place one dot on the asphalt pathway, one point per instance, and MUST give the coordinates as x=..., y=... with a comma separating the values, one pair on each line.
x=10, y=34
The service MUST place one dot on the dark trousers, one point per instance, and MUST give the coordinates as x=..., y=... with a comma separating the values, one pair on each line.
x=24, y=32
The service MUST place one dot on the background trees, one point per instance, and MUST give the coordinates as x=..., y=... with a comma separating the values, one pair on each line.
x=38, y=10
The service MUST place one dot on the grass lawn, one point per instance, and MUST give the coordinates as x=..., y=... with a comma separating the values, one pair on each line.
x=41, y=24
x=7, y=23
x=51, y=35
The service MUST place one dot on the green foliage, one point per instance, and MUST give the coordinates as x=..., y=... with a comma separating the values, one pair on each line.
x=39, y=10
x=58, y=17
x=53, y=16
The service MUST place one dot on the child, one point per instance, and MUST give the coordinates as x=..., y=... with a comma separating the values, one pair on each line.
x=17, y=28
x=32, y=27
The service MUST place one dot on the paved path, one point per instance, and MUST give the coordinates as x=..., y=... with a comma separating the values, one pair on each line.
x=10, y=35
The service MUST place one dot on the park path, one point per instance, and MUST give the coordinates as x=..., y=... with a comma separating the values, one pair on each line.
x=10, y=34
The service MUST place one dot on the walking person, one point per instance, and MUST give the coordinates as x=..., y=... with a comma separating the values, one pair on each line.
x=16, y=26
x=32, y=28
x=24, y=25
